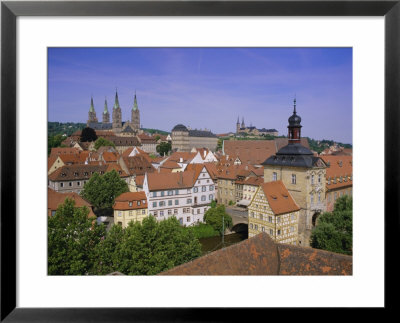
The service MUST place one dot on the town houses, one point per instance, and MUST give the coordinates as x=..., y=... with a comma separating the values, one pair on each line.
x=280, y=183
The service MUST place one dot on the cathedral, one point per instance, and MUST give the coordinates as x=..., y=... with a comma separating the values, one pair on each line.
x=241, y=129
x=128, y=128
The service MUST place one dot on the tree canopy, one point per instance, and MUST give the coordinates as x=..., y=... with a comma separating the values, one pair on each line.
x=101, y=190
x=163, y=148
x=334, y=230
x=55, y=141
x=72, y=238
x=101, y=142
x=214, y=217
x=146, y=248
x=88, y=134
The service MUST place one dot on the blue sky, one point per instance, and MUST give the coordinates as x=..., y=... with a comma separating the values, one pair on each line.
x=207, y=87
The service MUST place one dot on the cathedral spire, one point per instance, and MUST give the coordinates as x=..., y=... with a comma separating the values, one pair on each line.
x=105, y=106
x=135, y=105
x=91, y=105
x=116, y=102
x=294, y=104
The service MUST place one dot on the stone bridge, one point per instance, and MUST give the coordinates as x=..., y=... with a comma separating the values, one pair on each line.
x=239, y=219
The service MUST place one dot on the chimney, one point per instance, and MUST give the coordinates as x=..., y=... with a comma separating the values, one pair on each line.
x=205, y=154
x=180, y=159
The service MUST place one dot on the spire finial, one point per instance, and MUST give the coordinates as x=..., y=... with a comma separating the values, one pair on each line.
x=294, y=104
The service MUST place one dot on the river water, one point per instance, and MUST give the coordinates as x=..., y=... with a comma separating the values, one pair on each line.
x=214, y=243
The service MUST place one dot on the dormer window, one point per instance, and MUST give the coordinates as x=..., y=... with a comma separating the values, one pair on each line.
x=130, y=203
x=138, y=203
x=86, y=173
x=76, y=174
x=144, y=201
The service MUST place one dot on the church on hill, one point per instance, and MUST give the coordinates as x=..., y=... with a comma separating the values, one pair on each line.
x=242, y=129
x=128, y=128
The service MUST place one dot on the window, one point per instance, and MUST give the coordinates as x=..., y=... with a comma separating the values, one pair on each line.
x=176, y=202
x=78, y=183
x=262, y=229
x=161, y=213
x=53, y=213
x=210, y=197
x=189, y=201
x=61, y=184
x=256, y=227
x=130, y=203
x=203, y=198
x=270, y=219
x=211, y=187
x=195, y=189
x=278, y=219
x=261, y=216
x=176, y=192
x=198, y=182
x=274, y=176
x=180, y=221
x=161, y=203
x=312, y=198
x=279, y=232
x=154, y=204
x=169, y=202
x=188, y=191
x=188, y=219
x=175, y=211
x=162, y=193
x=293, y=178
x=319, y=196
x=143, y=211
x=312, y=179
x=198, y=211
x=319, y=178
x=155, y=213
x=335, y=196
x=251, y=225
x=169, y=212
x=130, y=213
x=170, y=193
x=203, y=188
x=154, y=194
x=120, y=224
x=271, y=232
x=119, y=213
x=70, y=183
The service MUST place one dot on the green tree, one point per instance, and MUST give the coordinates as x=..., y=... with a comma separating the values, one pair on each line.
x=101, y=142
x=334, y=230
x=101, y=190
x=88, y=134
x=163, y=148
x=157, y=137
x=107, y=252
x=72, y=238
x=214, y=217
x=55, y=141
x=147, y=248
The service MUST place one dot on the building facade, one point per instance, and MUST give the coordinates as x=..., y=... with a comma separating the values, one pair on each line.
x=186, y=195
x=274, y=211
x=303, y=174
x=184, y=139
x=130, y=207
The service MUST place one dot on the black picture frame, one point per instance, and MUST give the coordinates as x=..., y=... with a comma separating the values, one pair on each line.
x=10, y=10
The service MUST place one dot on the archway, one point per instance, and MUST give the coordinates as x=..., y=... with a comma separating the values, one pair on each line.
x=314, y=219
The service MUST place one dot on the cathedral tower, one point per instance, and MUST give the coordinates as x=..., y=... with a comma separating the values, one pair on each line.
x=106, y=114
x=237, y=125
x=116, y=115
x=294, y=127
x=135, y=115
x=92, y=113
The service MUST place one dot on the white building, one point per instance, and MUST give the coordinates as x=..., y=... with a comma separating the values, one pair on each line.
x=186, y=195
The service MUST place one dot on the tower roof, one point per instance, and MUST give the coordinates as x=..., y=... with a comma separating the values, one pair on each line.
x=105, y=107
x=294, y=119
x=116, y=102
x=135, y=105
x=91, y=105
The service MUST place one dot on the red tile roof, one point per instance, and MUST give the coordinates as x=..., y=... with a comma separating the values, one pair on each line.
x=279, y=198
x=130, y=201
x=260, y=255
x=166, y=181
x=339, y=167
x=54, y=199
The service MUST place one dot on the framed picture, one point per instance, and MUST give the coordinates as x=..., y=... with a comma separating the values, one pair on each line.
x=187, y=17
